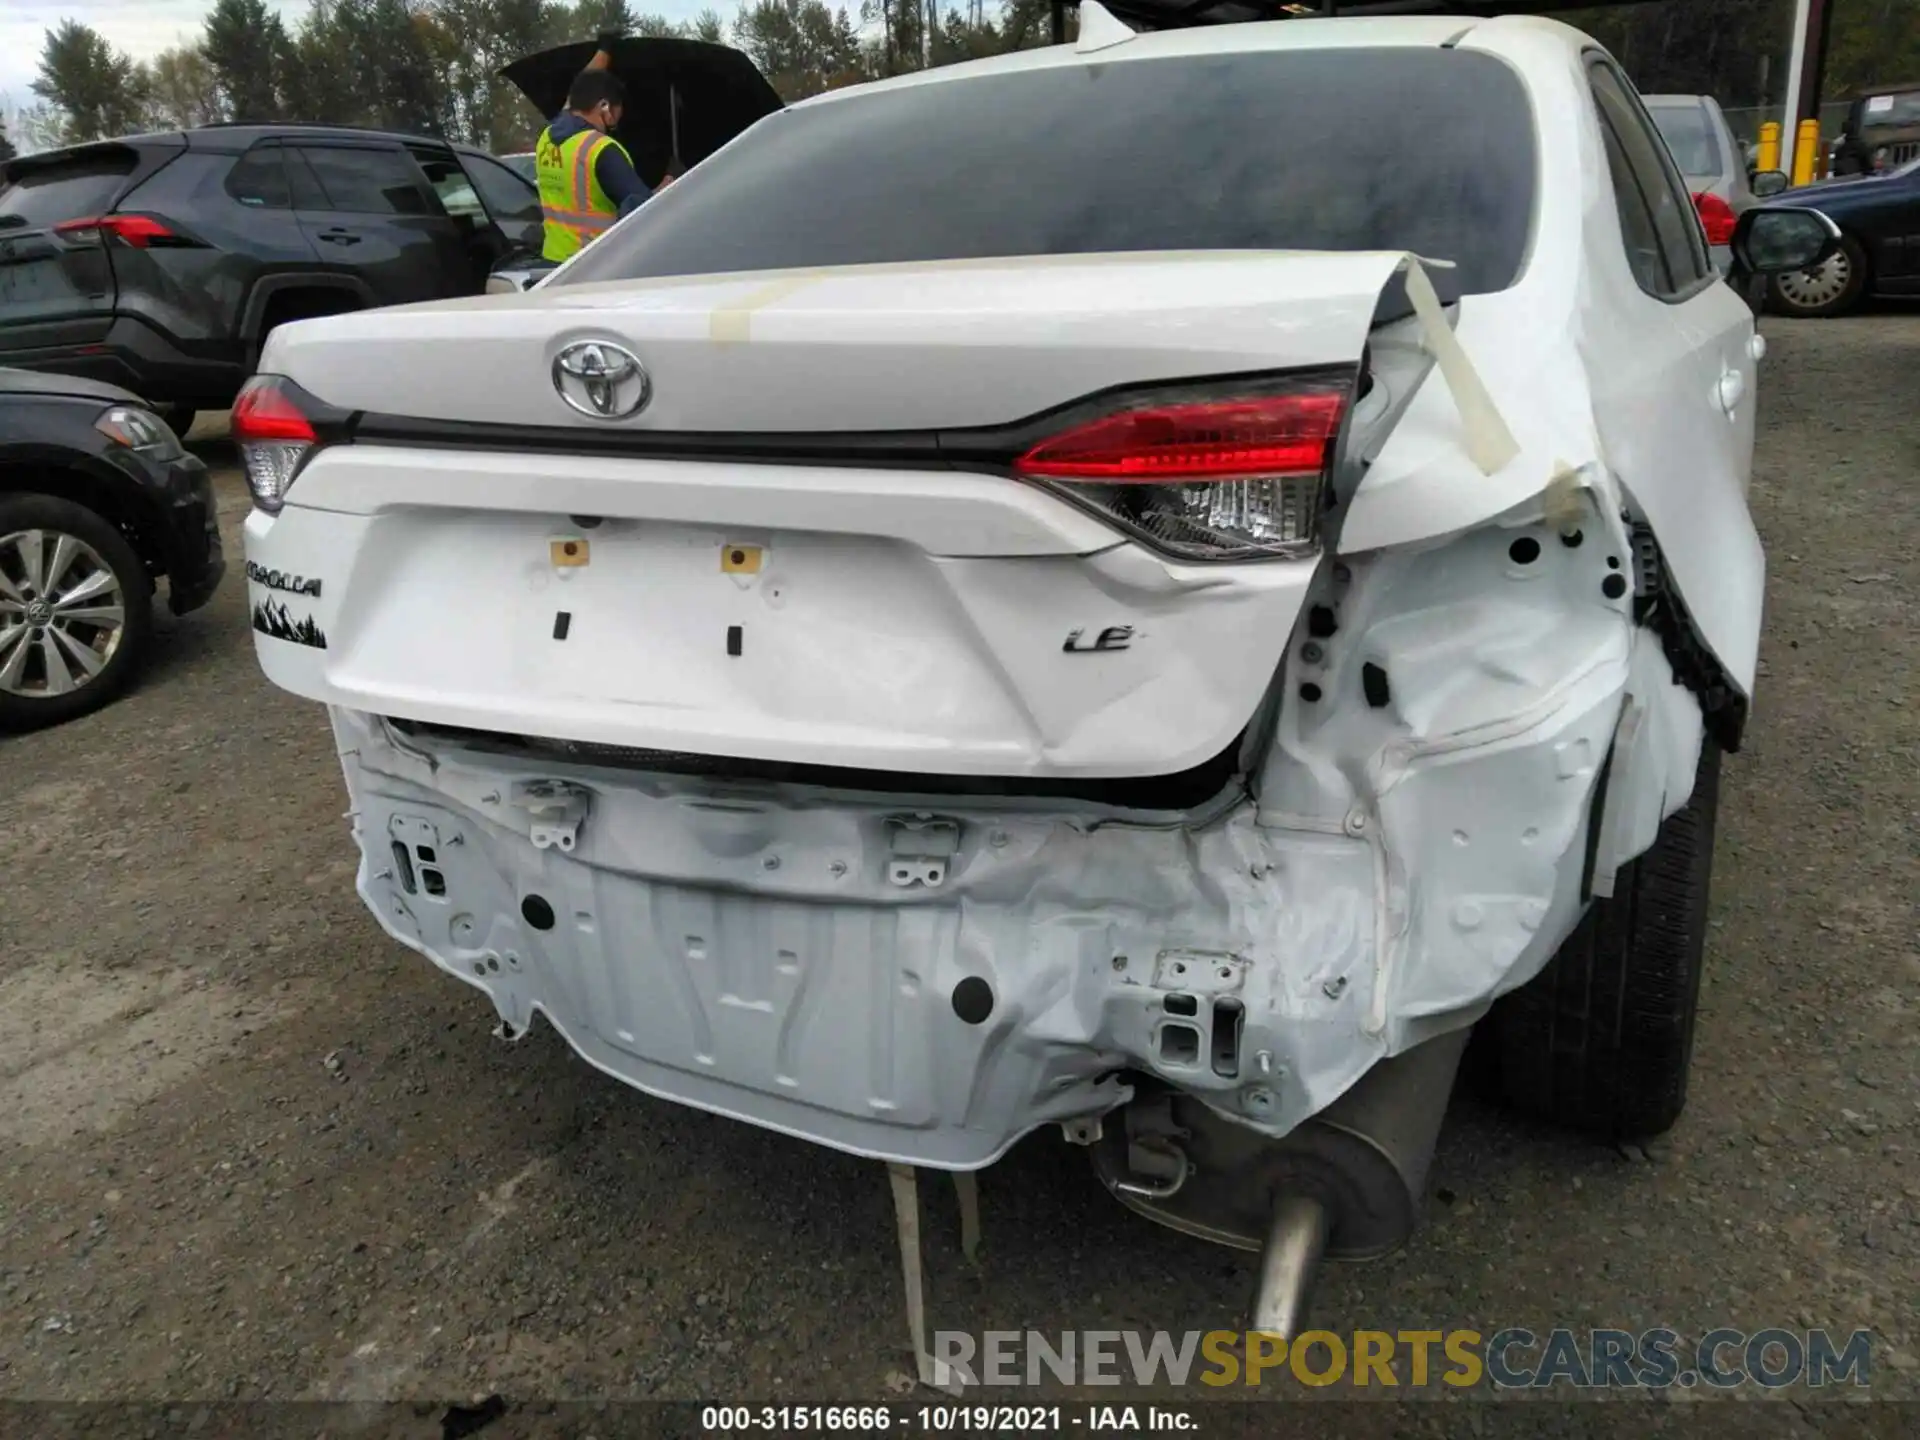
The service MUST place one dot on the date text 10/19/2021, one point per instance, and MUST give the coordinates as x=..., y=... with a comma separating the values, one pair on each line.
x=946, y=1419
x=1372, y=1360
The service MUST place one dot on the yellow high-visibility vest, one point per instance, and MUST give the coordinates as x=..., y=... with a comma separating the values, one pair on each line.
x=575, y=208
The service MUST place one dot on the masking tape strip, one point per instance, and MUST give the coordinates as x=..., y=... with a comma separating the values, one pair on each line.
x=1560, y=505
x=1490, y=444
x=731, y=324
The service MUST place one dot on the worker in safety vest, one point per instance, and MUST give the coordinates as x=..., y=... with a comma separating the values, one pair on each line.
x=586, y=177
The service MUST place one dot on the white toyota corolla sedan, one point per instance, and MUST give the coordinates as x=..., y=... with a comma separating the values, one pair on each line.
x=1147, y=587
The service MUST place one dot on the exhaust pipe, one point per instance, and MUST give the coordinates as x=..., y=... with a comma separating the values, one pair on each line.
x=1346, y=1185
x=1289, y=1265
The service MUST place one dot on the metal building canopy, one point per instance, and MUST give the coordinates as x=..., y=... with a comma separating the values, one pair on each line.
x=1171, y=14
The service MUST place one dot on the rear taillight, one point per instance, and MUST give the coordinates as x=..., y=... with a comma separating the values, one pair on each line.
x=1717, y=217
x=139, y=231
x=277, y=426
x=1228, y=477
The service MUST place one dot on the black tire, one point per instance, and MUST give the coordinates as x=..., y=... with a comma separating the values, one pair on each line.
x=1601, y=1040
x=25, y=704
x=1799, y=295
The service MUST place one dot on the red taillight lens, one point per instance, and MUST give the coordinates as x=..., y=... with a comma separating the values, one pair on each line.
x=274, y=435
x=1239, y=476
x=1717, y=216
x=1208, y=440
x=139, y=231
x=265, y=411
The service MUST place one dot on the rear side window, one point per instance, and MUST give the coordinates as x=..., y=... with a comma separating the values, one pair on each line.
x=1902, y=108
x=67, y=190
x=1665, y=245
x=1424, y=149
x=367, y=182
x=258, y=179
x=506, y=194
x=450, y=184
x=1690, y=134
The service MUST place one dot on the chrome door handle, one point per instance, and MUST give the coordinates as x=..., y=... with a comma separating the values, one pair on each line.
x=1732, y=390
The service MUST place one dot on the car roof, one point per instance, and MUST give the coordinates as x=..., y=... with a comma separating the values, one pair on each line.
x=234, y=135
x=1160, y=14
x=1306, y=34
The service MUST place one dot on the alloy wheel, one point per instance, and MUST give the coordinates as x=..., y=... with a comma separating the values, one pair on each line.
x=62, y=613
x=1813, y=289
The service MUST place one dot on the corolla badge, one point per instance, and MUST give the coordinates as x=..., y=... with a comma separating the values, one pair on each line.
x=601, y=380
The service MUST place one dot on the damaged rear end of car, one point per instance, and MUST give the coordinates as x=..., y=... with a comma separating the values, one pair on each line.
x=1169, y=694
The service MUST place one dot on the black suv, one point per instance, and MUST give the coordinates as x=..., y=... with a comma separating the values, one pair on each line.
x=160, y=262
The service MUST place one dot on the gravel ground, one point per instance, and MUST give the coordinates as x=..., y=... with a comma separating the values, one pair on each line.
x=250, y=1148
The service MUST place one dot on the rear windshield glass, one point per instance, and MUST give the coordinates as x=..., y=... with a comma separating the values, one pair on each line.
x=1690, y=136
x=1427, y=150
x=1880, y=110
x=69, y=190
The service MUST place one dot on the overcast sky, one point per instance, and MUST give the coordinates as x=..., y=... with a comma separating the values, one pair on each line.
x=143, y=28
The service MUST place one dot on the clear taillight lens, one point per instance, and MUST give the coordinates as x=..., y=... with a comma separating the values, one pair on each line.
x=1235, y=477
x=274, y=434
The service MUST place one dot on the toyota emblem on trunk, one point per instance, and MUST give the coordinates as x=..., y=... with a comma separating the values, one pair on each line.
x=601, y=380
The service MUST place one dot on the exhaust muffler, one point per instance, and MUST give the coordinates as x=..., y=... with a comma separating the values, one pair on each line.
x=1346, y=1185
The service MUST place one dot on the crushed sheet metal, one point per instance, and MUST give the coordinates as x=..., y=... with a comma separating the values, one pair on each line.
x=1655, y=759
x=1365, y=926
x=1490, y=444
x=1606, y=862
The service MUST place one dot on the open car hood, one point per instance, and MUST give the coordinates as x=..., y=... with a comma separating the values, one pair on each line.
x=685, y=93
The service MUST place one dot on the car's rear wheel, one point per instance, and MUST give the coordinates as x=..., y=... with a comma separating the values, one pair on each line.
x=76, y=611
x=1827, y=290
x=1601, y=1040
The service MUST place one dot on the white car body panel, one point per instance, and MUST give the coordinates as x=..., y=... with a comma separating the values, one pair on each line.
x=1598, y=377
x=861, y=348
x=950, y=675
x=1410, y=799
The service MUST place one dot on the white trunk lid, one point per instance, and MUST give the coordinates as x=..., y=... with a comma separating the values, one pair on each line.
x=862, y=348
x=926, y=620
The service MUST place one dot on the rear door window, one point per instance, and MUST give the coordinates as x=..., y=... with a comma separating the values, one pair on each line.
x=258, y=179
x=305, y=185
x=508, y=196
x=451, y=187
x=363, y=181
x=1677, y=260
x=67, y=190
x=1405, y=148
